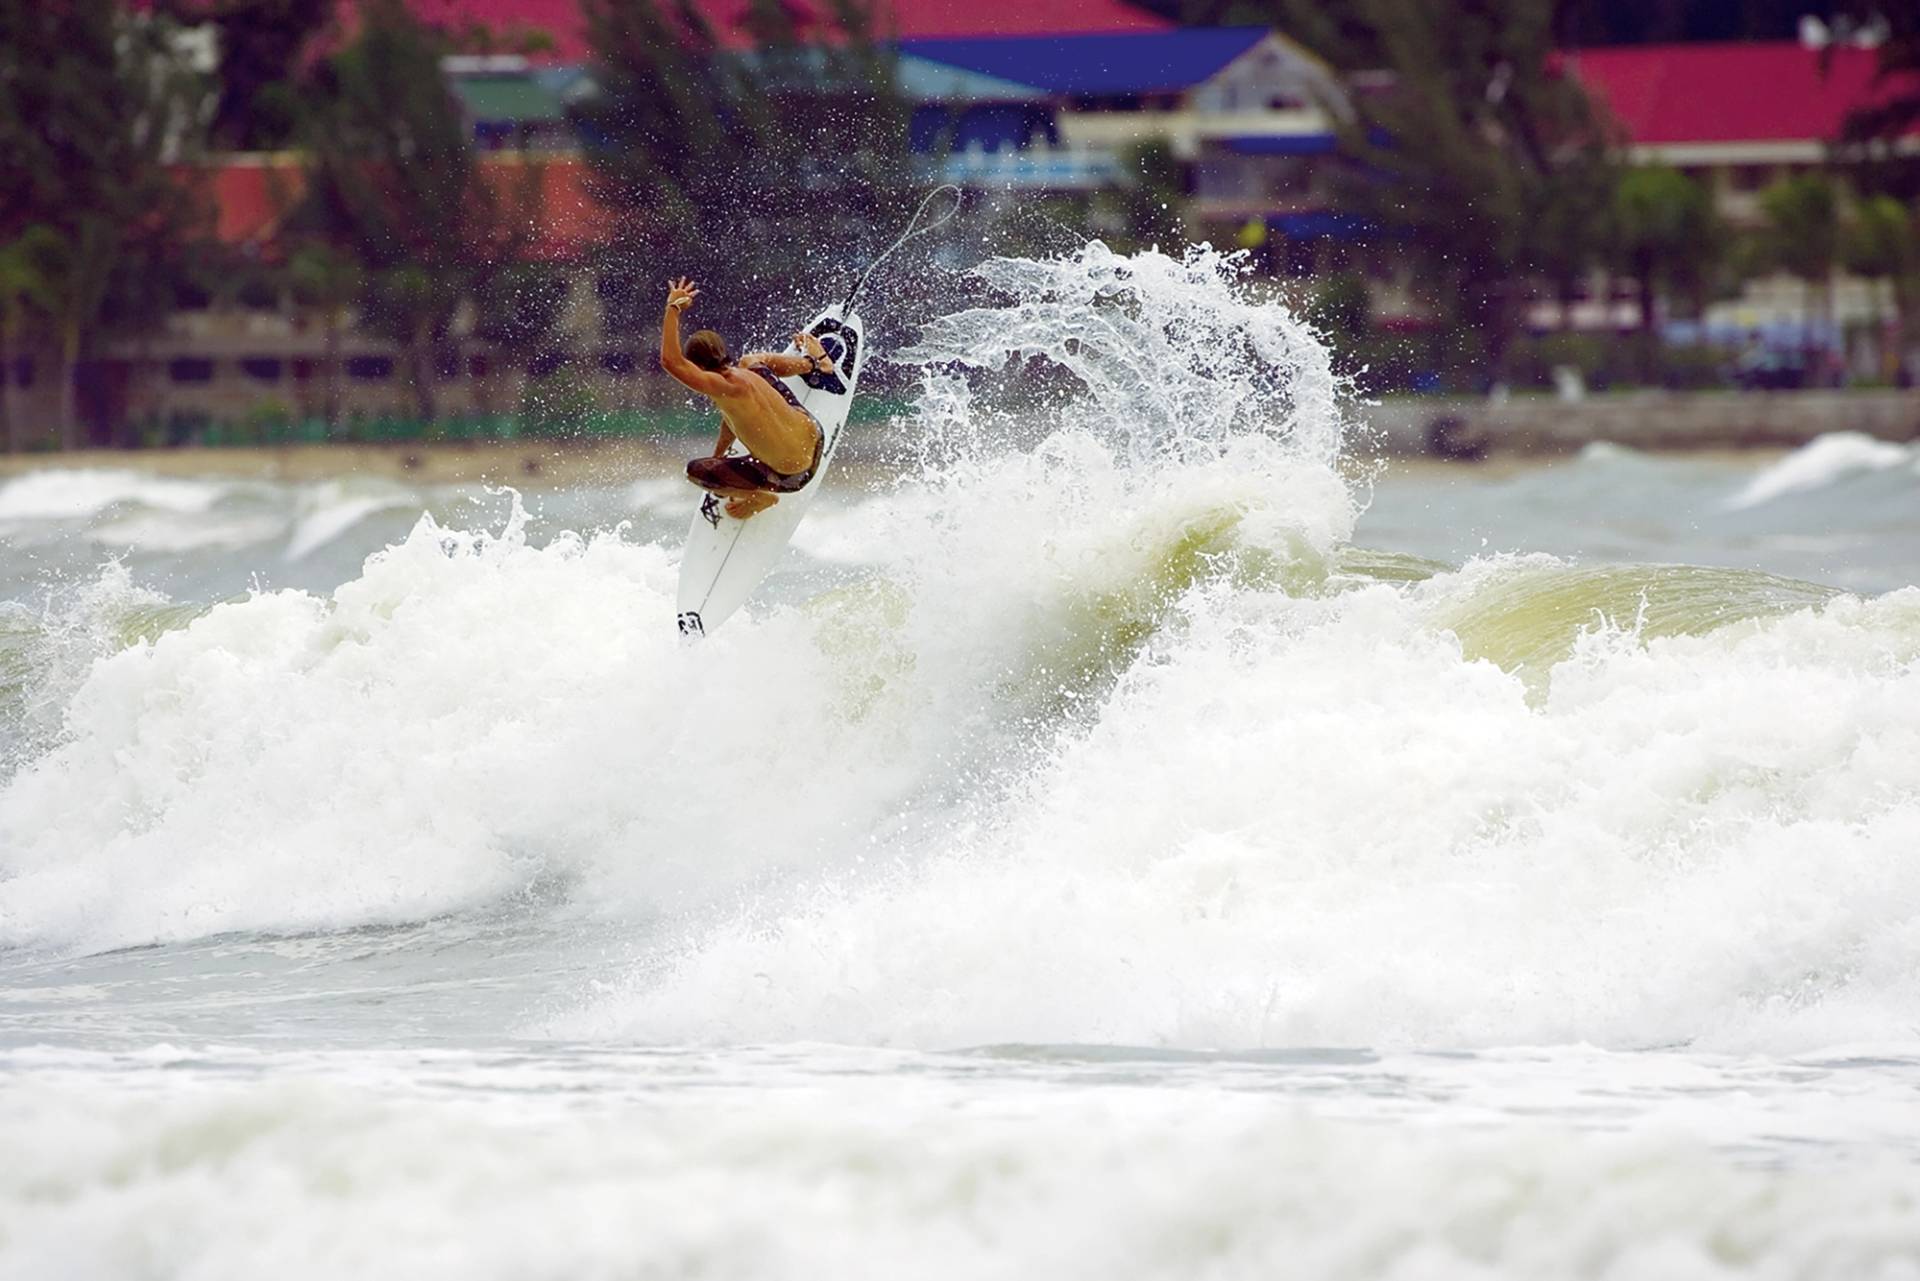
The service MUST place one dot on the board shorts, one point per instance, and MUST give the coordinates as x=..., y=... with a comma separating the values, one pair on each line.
x=748, y=472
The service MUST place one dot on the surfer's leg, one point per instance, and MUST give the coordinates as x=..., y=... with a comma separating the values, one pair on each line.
x=730, y=477
x=741, y=481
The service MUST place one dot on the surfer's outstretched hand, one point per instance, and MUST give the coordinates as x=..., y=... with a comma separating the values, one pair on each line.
x=681, y=293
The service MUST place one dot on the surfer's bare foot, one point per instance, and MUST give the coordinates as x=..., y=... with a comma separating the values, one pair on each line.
x=741, y=508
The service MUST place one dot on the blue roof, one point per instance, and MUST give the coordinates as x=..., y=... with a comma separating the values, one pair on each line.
x=1288, y=144
x=1095, y=65
x=1313, y=224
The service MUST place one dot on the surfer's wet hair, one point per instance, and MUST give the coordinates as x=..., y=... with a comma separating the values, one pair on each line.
x=708, y=350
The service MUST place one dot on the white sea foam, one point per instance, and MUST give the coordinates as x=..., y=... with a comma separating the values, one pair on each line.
x=474, y=714
x=176, y=532
x=445, y=730
x=890, y=1176
x=1312, y=823
x=1822, y=462
x=1097, y=754
x=67, y=494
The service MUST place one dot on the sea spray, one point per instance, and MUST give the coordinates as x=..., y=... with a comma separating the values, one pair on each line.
x=1313, y=822
x=1293, y=808
x=48, y=650
x=470, y=715
x=1168, y=358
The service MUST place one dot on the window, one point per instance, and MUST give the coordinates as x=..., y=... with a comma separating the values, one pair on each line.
x=189, y=296
x=266, y=369
x=478, y=366
x=546, y=363
x=22, y=371
x=449, y=366
x=257, y=294
x=370, y=368
x=619, y=363
x=303, y=367
x=190, y=369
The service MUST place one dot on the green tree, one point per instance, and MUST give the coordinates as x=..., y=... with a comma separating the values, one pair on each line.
x=1667, y=236
x=520, y=311
x=261, y=44
x=1881, y=243
x=757, y=163
x=95, y=102
x=395, y=182
x=1802, y=235
x=26, y=290
x=1875, y=135
x=326, y=281
x=1569, y=221
x=1148, y=203
x=1469, y=158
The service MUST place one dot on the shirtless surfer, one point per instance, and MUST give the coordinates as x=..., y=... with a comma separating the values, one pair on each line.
x=756, y=408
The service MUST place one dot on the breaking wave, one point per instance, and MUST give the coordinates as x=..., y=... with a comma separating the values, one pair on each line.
x=1110, y=734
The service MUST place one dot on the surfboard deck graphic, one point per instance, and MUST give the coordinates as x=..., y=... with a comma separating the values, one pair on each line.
x=726, y=558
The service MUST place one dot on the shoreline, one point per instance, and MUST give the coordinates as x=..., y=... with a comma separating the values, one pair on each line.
x=1511, y=433
x=1655, y=422
x=610, y=464
x=522, y=464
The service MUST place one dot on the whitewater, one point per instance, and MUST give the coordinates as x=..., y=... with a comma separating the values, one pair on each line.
x=1133, y=835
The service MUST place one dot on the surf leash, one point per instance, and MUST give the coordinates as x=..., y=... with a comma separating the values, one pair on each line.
x=913, y=229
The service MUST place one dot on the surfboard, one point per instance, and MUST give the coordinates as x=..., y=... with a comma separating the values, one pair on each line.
x=726, y=558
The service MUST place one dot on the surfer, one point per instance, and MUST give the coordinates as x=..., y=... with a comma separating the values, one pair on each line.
x=783, y=440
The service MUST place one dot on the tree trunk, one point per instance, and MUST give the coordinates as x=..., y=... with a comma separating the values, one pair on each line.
x=331, y=403
x=420, y=357
x=7, y=371
x=1495, y=322
x=1829, y=375
x=63, y=372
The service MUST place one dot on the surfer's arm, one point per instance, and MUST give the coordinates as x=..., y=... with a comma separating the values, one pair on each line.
x=813, y=357
x=672, y=358
x=726, y=440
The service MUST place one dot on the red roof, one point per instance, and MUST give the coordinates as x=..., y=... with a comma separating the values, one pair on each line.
x=906, y=19
x=251, y=196
x=247, y=196
x=1704, y=93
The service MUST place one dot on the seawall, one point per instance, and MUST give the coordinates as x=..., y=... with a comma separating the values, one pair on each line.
x=1653, y=420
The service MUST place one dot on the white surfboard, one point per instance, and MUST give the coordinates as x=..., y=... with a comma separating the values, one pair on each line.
x=726, y=558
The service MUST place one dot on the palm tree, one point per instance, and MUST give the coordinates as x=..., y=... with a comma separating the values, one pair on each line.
x=1802, y=235
x=1666, y=235
x=26, y=283
x=1881, y=244
x=330, y=283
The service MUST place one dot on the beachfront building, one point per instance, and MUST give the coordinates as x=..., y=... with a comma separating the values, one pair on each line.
x=1060, y=98
x=248, y=350
x=1737, y=118
x=1249, y=114
x=1029, y=101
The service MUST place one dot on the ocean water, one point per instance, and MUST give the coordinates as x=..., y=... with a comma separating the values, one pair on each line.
x=1136, y=836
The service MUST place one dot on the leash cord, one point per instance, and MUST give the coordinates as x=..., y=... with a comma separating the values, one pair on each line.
x=913, y=229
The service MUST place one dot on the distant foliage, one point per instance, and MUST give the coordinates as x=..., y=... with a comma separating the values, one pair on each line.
x=95, y=103
x=1667, y=237
x=761, y=165
x=394, y=181
x=1490, y=165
